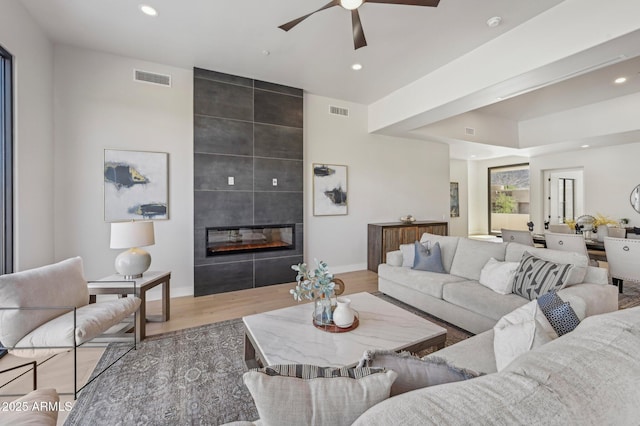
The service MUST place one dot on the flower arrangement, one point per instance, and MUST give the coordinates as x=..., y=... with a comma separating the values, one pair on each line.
x=601, y=220
x=314, y=283
x=571, y=223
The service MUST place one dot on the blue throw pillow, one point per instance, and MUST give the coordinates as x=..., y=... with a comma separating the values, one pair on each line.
x=428, y=259
x=560, y=314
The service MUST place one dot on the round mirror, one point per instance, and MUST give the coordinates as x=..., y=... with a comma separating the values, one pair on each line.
x=635, y=198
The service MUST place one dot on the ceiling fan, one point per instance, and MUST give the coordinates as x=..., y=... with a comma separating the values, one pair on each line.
x=358, y=33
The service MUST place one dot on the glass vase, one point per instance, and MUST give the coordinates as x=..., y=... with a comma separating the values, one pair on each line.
x=323, y=309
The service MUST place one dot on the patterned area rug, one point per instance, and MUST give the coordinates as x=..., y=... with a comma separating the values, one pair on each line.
x=191, y=376
x=631, y=296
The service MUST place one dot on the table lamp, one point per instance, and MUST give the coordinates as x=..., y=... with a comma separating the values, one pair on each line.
x=132, y=235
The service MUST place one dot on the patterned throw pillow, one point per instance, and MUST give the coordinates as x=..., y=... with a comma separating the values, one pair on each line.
x=535, y=276
x=413, y=372
x=560, y=314
x=428, y=259
x=306, y=394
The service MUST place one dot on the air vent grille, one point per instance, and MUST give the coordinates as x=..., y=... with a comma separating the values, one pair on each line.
x=470, y=131
x=335, y=110
x=152, y=78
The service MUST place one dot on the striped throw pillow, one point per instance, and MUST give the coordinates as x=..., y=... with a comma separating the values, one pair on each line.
x=535, y=277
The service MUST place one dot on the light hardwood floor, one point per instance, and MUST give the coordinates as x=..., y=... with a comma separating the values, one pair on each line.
x=186, y=312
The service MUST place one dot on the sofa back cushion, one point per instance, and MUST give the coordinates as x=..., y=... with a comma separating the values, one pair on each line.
x=579, y=261
x=448, y=246
x=472, y=255
x=60, y=284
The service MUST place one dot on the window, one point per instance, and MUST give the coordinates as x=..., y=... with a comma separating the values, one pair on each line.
x=508, y=197
x=6, y=162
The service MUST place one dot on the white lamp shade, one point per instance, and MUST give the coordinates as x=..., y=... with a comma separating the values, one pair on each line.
x=131, y=234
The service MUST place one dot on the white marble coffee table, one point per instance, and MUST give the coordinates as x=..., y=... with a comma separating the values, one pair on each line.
x=288, y=336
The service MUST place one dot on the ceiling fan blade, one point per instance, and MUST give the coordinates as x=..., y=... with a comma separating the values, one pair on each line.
x=295, y=22
x=431, y=3
x=358, y=33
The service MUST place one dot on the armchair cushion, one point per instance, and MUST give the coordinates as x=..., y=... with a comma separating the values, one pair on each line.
x=91, y=321
x=59, y=284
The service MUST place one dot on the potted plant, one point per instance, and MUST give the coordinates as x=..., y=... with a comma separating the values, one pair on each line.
x=317, y=285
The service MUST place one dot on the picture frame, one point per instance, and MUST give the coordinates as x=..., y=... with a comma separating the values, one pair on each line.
x=136, y=185
x=454, y=199
x=330, y=189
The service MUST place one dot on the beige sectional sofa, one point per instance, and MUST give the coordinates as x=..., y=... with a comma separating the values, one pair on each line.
x=459, y=299
x=586, y=377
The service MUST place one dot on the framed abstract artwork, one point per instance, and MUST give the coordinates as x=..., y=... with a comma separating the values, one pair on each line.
x=454, y=199
x=329, y=190
x=136, y=185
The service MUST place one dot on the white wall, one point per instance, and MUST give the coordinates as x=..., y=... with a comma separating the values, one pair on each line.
x=458, y=172
x=33, y=121
x=610, y=173
x=388, y=177
x=98, y=106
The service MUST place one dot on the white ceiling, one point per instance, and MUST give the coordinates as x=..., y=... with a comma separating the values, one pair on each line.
x=405, y=43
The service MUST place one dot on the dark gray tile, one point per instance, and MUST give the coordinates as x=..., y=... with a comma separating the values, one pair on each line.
x=212, y=279
x=298, y=251
x=273, y=87
x=222, y=208
x=275, y=108
x=222, y=136
x=278, y=141
x=212, y=172
x=276, y=271
x=222, y=77
x=287, y=172
x=278, y=207
x=222, y=100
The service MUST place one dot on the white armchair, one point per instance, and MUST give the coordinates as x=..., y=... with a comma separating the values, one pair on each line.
x=46, y=311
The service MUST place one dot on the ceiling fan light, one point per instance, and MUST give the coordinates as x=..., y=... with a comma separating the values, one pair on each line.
x=351, y=4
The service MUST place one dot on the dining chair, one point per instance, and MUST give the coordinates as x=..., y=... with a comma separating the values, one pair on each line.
x=568, y=242
x=561, y=228
x=623, y=256
x=617, y=233
x=514, y=236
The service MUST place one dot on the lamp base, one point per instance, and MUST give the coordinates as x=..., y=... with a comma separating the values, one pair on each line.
x=132, y=263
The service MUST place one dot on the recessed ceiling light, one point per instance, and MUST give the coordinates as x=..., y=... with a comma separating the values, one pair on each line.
x=473, y=156
x=356, y=67
x=494, y=21
x=584, y=146
x=148, y=10
x=265, y=52
x=620, y=80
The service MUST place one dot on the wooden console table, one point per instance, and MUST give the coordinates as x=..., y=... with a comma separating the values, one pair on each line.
x=386, y=237
x=116, y=284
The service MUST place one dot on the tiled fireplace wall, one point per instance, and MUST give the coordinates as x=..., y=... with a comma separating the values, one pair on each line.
x=252, y=131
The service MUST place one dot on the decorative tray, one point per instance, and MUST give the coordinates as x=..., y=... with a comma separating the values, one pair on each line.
x=332, y=328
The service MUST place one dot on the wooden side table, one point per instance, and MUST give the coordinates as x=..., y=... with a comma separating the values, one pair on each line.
x=116, y=284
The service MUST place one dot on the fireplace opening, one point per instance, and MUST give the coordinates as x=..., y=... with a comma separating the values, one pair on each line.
x=250, y=238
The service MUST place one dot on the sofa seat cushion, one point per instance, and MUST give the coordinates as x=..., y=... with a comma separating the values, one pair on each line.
x=472, y=255
x=475, y=353
x=481, y=300
x=430, y=283
x=91, y=320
